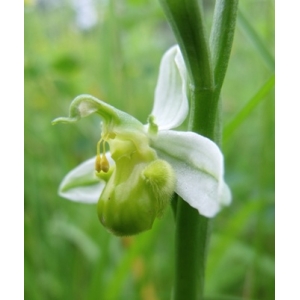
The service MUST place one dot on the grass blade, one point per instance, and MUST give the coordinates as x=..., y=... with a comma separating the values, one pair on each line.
x=246, y=27
x=248, y=108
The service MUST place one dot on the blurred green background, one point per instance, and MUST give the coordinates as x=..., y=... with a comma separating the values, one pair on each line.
x=112, y=49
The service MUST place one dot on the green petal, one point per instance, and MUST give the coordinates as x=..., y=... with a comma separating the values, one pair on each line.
x=85, y=105
x=116, y=125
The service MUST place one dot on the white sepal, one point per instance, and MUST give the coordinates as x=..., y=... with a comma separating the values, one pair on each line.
x=170, y=102
x=198, y=164
x=81, y=184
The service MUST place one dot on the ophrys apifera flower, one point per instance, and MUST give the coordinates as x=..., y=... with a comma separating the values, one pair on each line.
x=134, y=181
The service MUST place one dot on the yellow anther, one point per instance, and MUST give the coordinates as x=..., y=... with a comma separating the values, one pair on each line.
x=104, y=164
x=101, y=163
x=98, y=163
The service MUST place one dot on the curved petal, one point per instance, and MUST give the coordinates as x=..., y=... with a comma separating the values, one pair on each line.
x=170, y=102
x=114, y=120
x=81, y=184
x=198, y=164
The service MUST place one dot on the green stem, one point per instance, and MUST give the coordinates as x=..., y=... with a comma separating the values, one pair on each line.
x=221, y=37
x=205, y=65
x=186, y=20
x=191, y=240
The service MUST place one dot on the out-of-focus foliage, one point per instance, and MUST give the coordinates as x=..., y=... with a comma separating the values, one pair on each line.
x=68, y=254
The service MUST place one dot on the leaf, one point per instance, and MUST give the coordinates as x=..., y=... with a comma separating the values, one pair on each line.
x=256, y=40
x=248, y=108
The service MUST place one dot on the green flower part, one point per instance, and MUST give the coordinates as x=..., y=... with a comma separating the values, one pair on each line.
x=134, y=181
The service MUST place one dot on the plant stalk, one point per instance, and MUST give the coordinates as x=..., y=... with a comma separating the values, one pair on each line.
x=207, y=65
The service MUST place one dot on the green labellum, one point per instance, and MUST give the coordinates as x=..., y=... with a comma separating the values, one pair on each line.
x=137, y=192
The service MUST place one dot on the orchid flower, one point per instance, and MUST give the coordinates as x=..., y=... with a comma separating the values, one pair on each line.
x=134, y=181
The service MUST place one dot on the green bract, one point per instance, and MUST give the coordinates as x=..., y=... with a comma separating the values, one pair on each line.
x=134, y=181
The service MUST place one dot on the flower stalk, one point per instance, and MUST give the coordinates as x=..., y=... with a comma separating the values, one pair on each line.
x=206, y=64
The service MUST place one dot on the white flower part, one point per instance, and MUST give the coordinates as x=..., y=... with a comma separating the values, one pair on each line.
x=81, y=184
x=198, y=164
x=225, y=193
x=196, y=160
x=170, y=101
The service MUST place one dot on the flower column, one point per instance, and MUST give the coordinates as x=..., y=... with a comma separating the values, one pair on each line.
x=206, y=66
